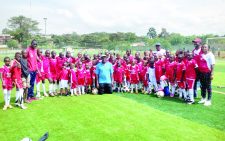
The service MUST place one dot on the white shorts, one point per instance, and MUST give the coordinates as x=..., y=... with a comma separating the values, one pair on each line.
x=63, y=84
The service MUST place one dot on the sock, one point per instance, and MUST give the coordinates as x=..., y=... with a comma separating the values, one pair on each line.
x=21, y=96
x=5, y=97
x=132, y=88
x=82, y=88
x=54, y=88
x=184, y=93
x=50, y=88
x=75, y=91
x=180, y=92
x=43, y=87
x=191, y=94
x=8, y=97
x=79, y=89
x=38, y=88
x=173, y=89
x=17, y=96
x=136, y=87
x=71, y=91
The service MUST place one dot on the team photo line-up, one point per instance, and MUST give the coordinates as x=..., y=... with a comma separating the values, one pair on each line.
x=157, y=72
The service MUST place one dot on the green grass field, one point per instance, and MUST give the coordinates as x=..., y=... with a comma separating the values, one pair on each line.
x=118, y=117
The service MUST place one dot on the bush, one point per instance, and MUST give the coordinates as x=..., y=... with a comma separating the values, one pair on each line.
x=12, y=43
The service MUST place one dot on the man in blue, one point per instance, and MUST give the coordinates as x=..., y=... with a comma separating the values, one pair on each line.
x=104, y=76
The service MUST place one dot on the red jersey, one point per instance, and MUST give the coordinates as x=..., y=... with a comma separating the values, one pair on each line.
x=134, y=78
x=73, y=78
x=46, y=64
x=6, y=77
x=88, y=78
x=60, y=62
x=190, y=69
x=180, y=67
x=118, y=74
x=53, y=66
x=16, y=74
x=159, y=65
x=170, y=70
x=64, y=74
x=80, y=76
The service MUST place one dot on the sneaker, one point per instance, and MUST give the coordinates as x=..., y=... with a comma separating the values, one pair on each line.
x=45, y=94
x=51, y=94
x=5, y=107
x=38, y=96
x=190, y=102
x=171, y=95
x=207, y=103
x=34, y=98
x=10, y=106
x=27, y=101
x=17, y=104
x=202, y=101
x=72, y=94
x=23, y=107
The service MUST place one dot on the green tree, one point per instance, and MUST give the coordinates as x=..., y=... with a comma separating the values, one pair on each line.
x=152, y=33
x=12, y=43
x=164, y=33
x=21, y=28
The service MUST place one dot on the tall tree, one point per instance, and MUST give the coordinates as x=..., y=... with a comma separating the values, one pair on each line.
x=152, y=33
x=163, y=33
x=21, y=28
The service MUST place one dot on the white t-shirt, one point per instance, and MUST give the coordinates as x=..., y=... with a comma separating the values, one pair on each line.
x=161, y=52
x=151, y=74
x=209, y=58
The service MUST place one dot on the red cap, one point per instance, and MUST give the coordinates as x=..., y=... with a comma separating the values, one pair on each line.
x=197, y=40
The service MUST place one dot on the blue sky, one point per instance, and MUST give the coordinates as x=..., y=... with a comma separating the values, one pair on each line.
x=82, y=16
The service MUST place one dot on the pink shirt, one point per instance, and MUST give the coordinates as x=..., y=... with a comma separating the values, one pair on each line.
x=32, y=58
x=46, y=64
x=6, y=75
x=64, y=75
x=60, y=62
x=16, y=71
x=73, y=77
x=80, y=73
x=53, y=65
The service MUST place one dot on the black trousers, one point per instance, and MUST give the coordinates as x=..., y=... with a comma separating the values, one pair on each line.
x=205, y=80
x=105, y=88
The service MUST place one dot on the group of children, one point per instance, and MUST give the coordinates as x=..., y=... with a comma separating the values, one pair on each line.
x=69, y=75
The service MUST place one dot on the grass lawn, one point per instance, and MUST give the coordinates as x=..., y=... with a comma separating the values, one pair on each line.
x=117, y=117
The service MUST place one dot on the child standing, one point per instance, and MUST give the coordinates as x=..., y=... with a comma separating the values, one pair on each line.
x=191, y=71
x=73, y=80
x=88, y=79
x=180, y=77
x=17, y=80
x=63, y=80
x=143, y=77
x=118, y=76
x=151, y=76
x=25, y=74
x=80, y=78
x=134, y=78
x=170, y=74
x=53, y=71
x=5, y=75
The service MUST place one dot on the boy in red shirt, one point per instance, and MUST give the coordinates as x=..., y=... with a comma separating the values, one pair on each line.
x=5, y=75
x=118, y=76
x=191, y=71
x=53, y=71
x=88, y=78
x=180, y=76
x=73, y=80
x=134, y=77
x=170, y=74
x=17, y=80
x=159, y=67
x=63, y=80
x=143, y=77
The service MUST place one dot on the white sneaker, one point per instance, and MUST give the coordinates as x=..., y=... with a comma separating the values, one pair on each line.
x=17, y=104
x=5, y=107
x=10, y=106
x=203, y=100
x=45, y=94
x=23, y=107
x=207, y=103
x=38, y=96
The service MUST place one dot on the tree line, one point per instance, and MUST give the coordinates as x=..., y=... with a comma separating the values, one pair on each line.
x=24, y=29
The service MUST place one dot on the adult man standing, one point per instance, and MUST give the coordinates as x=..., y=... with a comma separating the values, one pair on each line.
x=159, y=50
x=104, y=76
x=197, y=42
x=32, y=66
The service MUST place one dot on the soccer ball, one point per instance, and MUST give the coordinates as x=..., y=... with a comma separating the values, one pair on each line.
x=95, y=91
x=126, y=89
x=160, y=94
x=26, y=139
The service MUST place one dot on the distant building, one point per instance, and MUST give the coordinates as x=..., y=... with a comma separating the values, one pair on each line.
x=138, y=44
x=4, y=38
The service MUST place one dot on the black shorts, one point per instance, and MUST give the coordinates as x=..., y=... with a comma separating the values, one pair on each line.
x=105, y=88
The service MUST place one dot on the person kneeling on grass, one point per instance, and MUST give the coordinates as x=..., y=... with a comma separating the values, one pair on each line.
x=104, y=76
x=206, y=64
